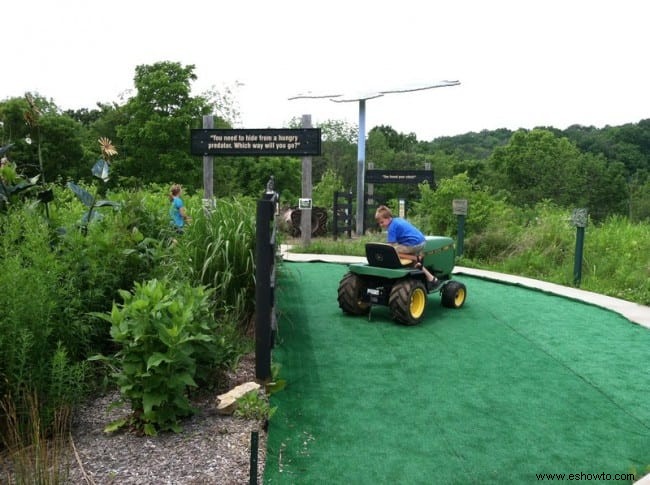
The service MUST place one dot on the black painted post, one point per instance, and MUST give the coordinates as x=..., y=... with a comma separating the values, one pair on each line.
x=577, y=264
x=335, y=216
x=459, y=207
x=579, y=219
x=263, y=294
x=348, y=213
x=461, y=236
x=254, y=452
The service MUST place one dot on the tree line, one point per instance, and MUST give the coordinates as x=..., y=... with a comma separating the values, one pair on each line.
x=603, y=169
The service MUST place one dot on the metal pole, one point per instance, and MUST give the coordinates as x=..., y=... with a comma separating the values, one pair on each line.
x=361, y=170
x=208, y=164
x=305, y=214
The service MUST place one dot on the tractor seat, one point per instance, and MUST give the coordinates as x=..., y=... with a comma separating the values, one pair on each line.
x=384, y=255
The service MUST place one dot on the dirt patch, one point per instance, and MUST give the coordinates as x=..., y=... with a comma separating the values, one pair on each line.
x=211, y=449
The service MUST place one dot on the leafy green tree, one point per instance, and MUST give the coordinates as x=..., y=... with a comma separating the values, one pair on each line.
x=46, y=143
x=159, y=117
x=323, y=193
x=639, y=207
x=17, y=130
x=434, y=213
x=601, y=187
x=101, y=122
x=252, y=175
x=537, y=165
x=378, y=150
x=628, y=144
x=470, y=145
x=339, y=152
x=62, y=150
x=12, y=116
x=399, y=142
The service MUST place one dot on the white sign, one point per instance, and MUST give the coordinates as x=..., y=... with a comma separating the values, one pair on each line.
x=459, y=206
x=304, y=203
x=209, y=204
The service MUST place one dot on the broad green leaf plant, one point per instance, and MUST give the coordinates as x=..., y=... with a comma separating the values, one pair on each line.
x=101, y=171
x=11, y=183
x=164, y=330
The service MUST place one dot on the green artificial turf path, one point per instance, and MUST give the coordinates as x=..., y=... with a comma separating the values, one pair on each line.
x=514, y=384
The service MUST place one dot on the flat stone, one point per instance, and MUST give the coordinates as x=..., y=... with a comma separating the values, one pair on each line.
x=227, y=402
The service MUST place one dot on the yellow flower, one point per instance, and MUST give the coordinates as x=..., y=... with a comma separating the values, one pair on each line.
x=108, y=150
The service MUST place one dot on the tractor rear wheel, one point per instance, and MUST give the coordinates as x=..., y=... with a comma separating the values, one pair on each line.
x=408, y=301
x=351, y=290
x=453, y=294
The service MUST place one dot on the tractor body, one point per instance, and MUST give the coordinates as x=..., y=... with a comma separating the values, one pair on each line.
x=390, y=281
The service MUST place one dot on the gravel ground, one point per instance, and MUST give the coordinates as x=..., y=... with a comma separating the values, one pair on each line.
x=211, y=449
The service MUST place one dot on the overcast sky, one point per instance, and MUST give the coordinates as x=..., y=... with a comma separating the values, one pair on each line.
x=521, y=63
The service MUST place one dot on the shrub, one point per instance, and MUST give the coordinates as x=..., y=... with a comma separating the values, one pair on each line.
x=39, y=341
x=167, y=335
x=434, y=213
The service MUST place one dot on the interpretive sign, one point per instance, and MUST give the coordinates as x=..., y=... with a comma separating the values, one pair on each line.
x=304, y=203
x=247, y=142
x=399, y=176
x=579, y=217
x=459, y=207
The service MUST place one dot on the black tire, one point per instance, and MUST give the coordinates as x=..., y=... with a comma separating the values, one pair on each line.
x=453, y=294
x=408, y=301
x=351, y=289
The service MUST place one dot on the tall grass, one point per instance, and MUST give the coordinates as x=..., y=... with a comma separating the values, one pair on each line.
x=33, y=453
x=218, y=250
x=342, y=246
x=617, y=260
x=541, y=243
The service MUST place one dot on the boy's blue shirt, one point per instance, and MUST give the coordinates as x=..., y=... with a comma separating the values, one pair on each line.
x=401, y=231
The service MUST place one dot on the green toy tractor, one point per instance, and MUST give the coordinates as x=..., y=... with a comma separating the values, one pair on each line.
x=390, y=281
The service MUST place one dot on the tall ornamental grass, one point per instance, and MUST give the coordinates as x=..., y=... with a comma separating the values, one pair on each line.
x=617, y=259
x=218, y=250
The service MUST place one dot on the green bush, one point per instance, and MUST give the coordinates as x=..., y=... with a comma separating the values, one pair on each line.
x=39, y=339
x=166, y=335
x=433, y=213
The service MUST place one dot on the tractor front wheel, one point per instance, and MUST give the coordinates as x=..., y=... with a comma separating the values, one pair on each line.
x=408, y=301
x=351, y=289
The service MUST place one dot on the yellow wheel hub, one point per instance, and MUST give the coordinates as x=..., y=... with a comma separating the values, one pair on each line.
x=418, y=302
x=460, y=297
